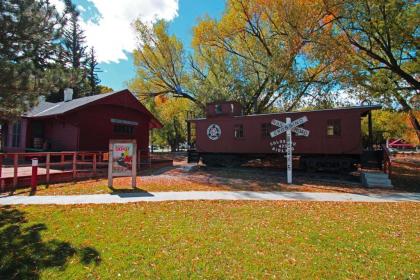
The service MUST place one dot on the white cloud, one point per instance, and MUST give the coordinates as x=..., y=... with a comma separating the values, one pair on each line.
x=112, y=33
x=59, y=5
x=81, y=8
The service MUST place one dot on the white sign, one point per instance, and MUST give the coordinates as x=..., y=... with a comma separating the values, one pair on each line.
x=289, y=150
x=280, y=146
x=298, y=130
x=122, y=160
x=283, y=127
x=214, y=132
x=288, y=127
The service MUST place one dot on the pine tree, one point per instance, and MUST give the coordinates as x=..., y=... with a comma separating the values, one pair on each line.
x=92, y=73
x=75, y=57
x=30, y=33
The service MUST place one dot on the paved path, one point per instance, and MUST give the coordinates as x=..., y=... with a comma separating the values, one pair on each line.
x=211, y=195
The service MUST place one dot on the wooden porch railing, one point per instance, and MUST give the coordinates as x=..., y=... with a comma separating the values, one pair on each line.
x=70, y=165
x=57, y=167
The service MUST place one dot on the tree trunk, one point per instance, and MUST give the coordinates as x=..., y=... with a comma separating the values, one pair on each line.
x=414, y=123
x=407, y=108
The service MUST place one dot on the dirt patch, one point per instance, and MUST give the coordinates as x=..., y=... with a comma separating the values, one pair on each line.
x=406, y=174
x=184, y=177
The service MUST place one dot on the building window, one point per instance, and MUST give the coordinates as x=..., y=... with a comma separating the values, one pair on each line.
x=218, y=108
x=333, y=127
x=239, y=131
x=16, y=130
x=265, y=130
x=124, y=129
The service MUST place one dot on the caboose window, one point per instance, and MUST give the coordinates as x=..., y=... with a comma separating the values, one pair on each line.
x=265, y=130
x=218, y=108
x=333, y=127
x=239, y=131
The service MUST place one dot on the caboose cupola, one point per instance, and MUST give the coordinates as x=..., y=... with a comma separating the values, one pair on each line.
x=223, y=108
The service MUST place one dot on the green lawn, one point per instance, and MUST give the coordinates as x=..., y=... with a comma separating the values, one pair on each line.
x=178, y=240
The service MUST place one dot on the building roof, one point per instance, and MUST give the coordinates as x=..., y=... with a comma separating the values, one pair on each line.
x=45, y=109
x=363, y=108
x=48, y=109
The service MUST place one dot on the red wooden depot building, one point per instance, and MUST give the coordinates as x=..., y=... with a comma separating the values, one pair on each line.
x=83, y=124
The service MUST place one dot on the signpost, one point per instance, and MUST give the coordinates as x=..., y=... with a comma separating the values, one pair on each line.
x=288, y=127
x=122, y=160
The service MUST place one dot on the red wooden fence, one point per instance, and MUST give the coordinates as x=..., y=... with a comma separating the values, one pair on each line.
x=54, y=167
x=57, y=167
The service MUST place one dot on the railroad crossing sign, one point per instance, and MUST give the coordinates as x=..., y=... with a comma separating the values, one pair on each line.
x=288, y=127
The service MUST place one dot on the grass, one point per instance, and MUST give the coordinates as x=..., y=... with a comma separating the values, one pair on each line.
x=178, y=240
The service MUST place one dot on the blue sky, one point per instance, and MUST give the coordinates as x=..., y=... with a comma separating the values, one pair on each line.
x=107, y=29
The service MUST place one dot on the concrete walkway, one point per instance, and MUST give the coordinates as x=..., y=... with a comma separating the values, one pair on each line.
x=211, y=195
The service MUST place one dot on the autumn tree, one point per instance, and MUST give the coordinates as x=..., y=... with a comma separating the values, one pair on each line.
x=104, y=89
x=160, y=61
x=382, y=36
x=258, y=53
x=172, y=113
x=266, y=47
x=388, y=124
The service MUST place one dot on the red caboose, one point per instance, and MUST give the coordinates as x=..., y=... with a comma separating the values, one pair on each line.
x=227, y=137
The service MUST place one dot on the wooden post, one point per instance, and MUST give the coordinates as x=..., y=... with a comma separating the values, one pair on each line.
x=110, y=165
x=389, y=170
x=1, y=164
x=15, y=170
x=188, y=135
x=370, y=148
x=134, y=166
x=1, y=168
x=47, y=168
x=34, y=177
x=94, y=164
x=74, y=164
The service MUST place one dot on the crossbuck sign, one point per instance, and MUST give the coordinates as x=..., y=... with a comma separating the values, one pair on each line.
x=288, y=127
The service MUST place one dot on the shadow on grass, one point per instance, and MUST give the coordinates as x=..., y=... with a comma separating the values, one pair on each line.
x=23, y=253
x=132, y=190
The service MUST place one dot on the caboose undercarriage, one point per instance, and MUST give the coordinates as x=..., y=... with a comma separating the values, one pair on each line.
x=340, y=163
